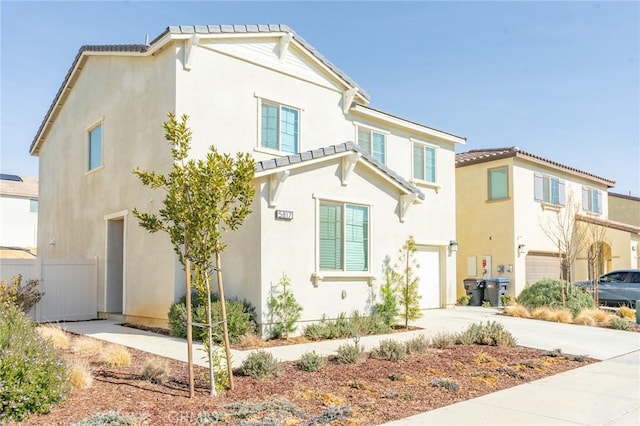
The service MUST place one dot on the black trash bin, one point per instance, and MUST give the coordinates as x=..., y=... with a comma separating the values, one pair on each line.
x=496, y=287
x=475, y=290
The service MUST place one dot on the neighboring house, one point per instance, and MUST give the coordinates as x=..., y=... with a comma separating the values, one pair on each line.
x=625, y=209
x=507, y=197
x=340, y=186
x=18, y=216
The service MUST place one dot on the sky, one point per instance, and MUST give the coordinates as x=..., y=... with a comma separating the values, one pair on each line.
x=558, y=79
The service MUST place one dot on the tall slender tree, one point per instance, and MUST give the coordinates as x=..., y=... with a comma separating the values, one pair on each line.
x=205, y=198
x=408, y=281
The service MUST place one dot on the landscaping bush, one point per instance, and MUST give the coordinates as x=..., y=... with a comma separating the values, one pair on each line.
x=156, y=371
x=621, y=323
x=443, y=340
x=464, y=300
x=627, y=312
x=80, y=376
x=284, y=309
x=116, y=356
x=259, y=364
x=241, y=318
x=33, y=376
x=391, y=350
x=492, y=333
x=54, y=334
x=547, y=292
x=311, y=361
x=389, y=308
x=517, y=311
x=23, y=295
x=110, y=418
x=417, y=344
x=344, y=327
x=349, y=353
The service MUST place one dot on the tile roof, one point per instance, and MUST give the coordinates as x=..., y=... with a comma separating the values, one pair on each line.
x=275, y=163
x=27, y=188
x=476, y=156
x=189, y=29
x=609, y=224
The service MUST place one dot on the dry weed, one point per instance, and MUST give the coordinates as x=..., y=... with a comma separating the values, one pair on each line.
x=584, y=319
x=627, y=312
x=55, y=335
x=80, y=376
x=517, y=311
x=156, y=371
x=86, y=346
x=116, y=356
x=542, y=313
x=562, y=315
x=251, y=340
x=599, y=316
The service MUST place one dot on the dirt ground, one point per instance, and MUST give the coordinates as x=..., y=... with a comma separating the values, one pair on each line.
x=368, y=393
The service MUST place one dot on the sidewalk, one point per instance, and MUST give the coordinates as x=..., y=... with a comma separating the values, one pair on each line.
x=606, y=393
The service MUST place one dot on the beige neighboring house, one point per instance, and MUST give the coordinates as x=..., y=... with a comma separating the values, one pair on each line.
x=506, y=198
x=340, y=186
x=18, y=216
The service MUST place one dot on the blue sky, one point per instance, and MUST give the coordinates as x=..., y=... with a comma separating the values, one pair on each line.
x=558, y=79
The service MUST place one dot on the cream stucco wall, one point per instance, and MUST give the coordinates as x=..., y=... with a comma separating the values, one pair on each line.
x=130, y=96
x=221, y=93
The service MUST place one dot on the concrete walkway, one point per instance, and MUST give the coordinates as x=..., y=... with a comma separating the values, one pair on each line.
x=606, y=393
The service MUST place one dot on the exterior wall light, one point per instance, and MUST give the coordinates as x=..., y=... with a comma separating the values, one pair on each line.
x=522, y=249
x=453, y=245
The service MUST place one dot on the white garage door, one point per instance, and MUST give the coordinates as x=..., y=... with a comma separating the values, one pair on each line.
x=429, y=273
x=541, y=266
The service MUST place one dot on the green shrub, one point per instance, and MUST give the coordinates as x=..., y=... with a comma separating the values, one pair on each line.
x=492, y=333
x=110, y=418
x=506, y=300
x=241, y=318
x=417, y=344
x=23, y=295
x=547, y=292
x=344, y=327
x=621, y=323
x=464, y=300
x=33, y=376
x=311, y=361
x=391, y=350
x=259, y=364
x=349, y=353
x=443, y=340
x=389, y=308
x=284, y=308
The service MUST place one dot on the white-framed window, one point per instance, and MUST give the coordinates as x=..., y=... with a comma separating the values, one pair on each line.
x=373, y=143
x=498, y=182
x=424, y=162
x=343, y=238
x=549, y=189
x=591, y=200
x=280, y=127
x=95, y=147
x=33, y=205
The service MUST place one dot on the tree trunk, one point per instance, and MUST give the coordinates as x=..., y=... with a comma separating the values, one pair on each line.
x=187, y=267
x=210, y=346
x=223, y=309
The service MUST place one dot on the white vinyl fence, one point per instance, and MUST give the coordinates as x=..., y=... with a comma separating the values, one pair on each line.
x=70, y=286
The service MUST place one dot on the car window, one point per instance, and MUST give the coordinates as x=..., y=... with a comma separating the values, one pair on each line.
x=635, y=278
x=614, y=277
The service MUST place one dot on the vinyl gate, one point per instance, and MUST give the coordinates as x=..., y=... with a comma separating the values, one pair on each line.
x=70, y=286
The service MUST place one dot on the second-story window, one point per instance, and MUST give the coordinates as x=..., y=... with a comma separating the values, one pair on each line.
x=498, y=183
x=424, y=163
x=591, y=200
x=373, y=143
x=549, y=189
x=95, y=148
x=280, y=128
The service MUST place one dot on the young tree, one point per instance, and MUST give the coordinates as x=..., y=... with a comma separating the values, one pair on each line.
x=285, y=309
x=205, y=198
x=388, y=308
x=408, y=282
x=569, y=238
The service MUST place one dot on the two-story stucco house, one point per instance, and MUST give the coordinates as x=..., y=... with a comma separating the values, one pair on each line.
x=506, y=198
x=18, y=215
x=340, y=186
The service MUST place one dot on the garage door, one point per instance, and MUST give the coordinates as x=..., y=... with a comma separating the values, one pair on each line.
x=540, y=265
x=429, y=273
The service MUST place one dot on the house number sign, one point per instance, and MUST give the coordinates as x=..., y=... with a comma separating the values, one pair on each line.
x=284, y=215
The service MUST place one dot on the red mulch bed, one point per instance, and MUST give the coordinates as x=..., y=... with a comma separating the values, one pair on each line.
x=375, y=391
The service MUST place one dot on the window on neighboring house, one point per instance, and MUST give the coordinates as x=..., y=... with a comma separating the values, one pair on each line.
x=498, y=183
x=424, y=163
x=373, y=143
x=591, y=200
x=95, y=147
x=33, y=206
x=280, y=128
x=344, y=237
x=549, y=189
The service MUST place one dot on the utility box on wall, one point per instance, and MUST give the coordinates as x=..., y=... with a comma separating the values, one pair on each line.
x=485, y=266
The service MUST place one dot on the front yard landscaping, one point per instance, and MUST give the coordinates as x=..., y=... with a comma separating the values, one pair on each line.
x=393, y=384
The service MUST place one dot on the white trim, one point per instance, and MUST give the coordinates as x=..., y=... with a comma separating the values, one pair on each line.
x=348, y=165
x=283, y=45
x=435, y=185
x=123, y=214
x=371, y=129
x=190, y=47
x=406, y=201
x=409, y=125
x=347, y=99
x=338, y=199
x=276, y=182
x=95, y=125
x=279, y=105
